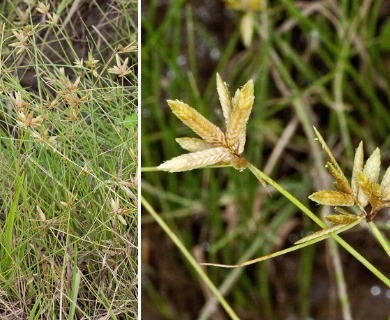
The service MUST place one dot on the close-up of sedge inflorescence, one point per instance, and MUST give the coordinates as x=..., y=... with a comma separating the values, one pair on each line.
x=265, y=159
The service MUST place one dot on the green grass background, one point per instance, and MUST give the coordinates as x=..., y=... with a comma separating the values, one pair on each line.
x=64, y=253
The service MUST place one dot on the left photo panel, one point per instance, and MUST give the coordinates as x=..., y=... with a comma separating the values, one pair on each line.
x=68, y=159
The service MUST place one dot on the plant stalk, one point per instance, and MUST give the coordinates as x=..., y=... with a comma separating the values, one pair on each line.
x=189, y=258
x=263, y=177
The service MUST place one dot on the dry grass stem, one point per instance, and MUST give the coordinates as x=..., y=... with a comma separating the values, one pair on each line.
x=334, y=229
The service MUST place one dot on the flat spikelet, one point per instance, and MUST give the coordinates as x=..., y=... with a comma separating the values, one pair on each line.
x=199, y=124
x=224, y=98
x=214, y=146
x=340, y=180
x=193, y=144
x=342, y=218
x=369, y=191
x=385, y=185
x=242, y=108
x=332, y=198
x=364, y=189
x=328, y=152
x=196, y=160
x=373, y=165
x=358, y=163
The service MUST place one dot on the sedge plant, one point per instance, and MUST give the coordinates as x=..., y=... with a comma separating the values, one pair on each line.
x=215, y=147
x=314, y=81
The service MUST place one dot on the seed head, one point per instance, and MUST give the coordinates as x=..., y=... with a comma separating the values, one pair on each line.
x=215, y=146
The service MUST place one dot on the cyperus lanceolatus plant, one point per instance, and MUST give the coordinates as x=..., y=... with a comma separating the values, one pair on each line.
x=215, y=146
x=365, y=191
x=365, y=194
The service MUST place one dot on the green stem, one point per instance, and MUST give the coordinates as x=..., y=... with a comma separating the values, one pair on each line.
x=189, y=258
x=380, y=237
x=263, y=177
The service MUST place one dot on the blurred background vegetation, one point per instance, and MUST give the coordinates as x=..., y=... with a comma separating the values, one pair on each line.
x=322, y=63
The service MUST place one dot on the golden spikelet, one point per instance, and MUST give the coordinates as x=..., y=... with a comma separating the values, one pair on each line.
x=376, y=198
x=235, y=97
x=385, y=186
x=343, y=211
x=199, y=124
x=372, y=166
x=341, y=218
x=364, y=189
x=369, y=191
x=386, y=180
x=340, y=180
x=364, y=184
x=196, y=160
x=358, y=163
x=242, y=108
x=327, y=151
x=193, y=144
x=332, y=198
x=386, y=194
x=224, y=98
x=215, y=146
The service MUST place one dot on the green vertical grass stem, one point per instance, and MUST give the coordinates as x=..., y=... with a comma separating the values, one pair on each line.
x=189, y=258
x=75, y=286
x=380, y=237
x=9, y=227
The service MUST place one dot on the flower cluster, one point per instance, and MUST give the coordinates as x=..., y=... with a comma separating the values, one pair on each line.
x=365, y=191
x=215, y=146
x=34, y=124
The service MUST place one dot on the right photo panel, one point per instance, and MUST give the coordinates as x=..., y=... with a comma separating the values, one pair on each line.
x=265, y=179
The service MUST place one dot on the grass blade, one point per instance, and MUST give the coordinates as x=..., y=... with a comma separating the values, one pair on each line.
x=6, y=248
